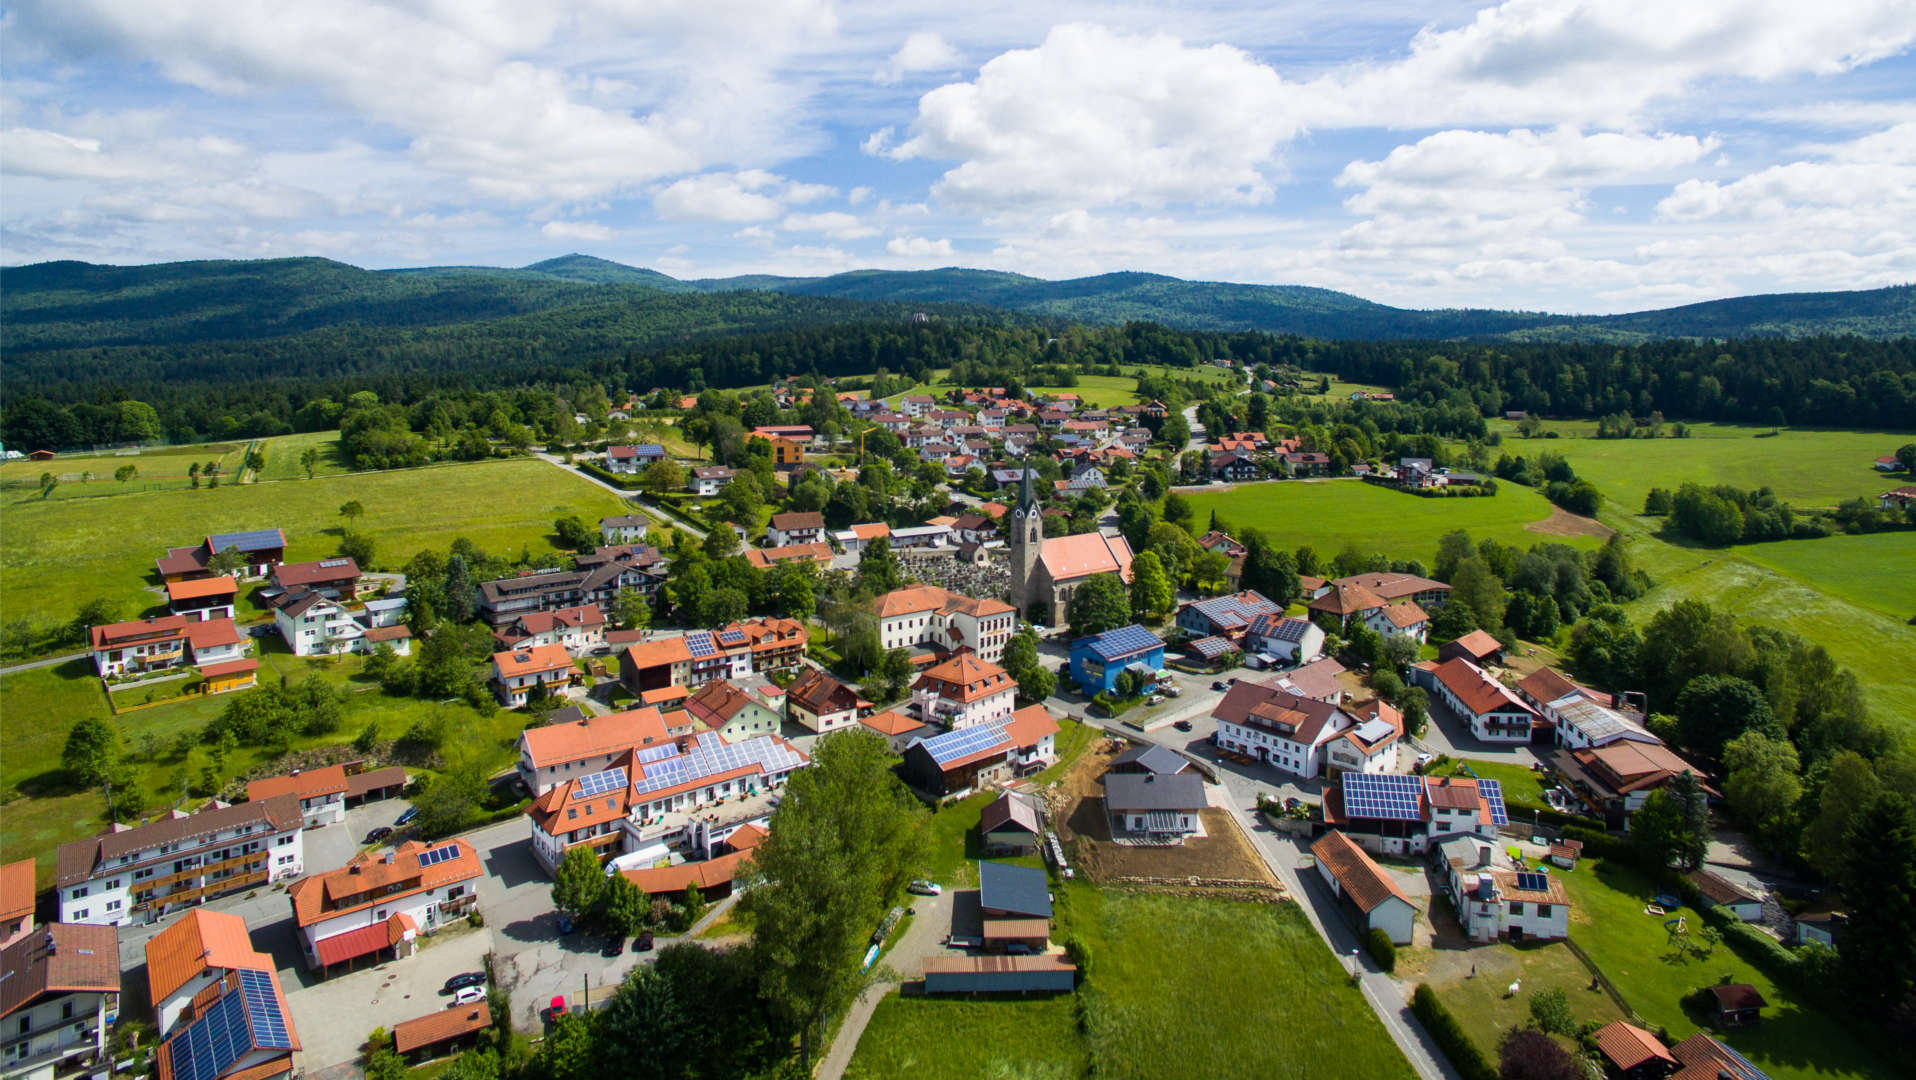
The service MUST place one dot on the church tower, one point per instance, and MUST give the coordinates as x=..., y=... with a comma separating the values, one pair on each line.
x=1027, y=536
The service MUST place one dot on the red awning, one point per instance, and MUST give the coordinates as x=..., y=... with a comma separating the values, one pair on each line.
x=352, y=944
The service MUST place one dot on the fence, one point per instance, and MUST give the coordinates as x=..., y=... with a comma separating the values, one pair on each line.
x=1602, y=980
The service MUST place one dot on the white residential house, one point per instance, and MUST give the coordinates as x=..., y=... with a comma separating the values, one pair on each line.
x=711, y=479
x=382, y=901
x=963, y=691
x=1294, y=733
x=928, y=615
x=1494, y=903
x=1287, y=641
x=59, y=998
x=624, y=529
x=1492, y=711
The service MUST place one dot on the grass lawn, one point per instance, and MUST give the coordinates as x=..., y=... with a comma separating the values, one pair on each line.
x=1329, y=514
x=1806, y=467
x=160, y=468
x=62, y=552
x=934, y=1038
x=1521, y=786
x=1097, y=391
x=1870, y=571
x=282, y=455
x=1341, y=390
x=1479, y=1003
x=1793, y=1040
x=952, y=845
x=1183, y=987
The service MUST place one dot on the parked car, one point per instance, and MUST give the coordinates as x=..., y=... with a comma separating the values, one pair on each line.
x=922, y=887
x=614, y=946
x=465, y=979
x=565, y=924
x=376, y=835
x=468, y=995
x=644, y=943
x=405, y=819
x=1018, y=949
x=1182, y=725
x=1423, y=761
x=1219, y=686
x=1172, y=689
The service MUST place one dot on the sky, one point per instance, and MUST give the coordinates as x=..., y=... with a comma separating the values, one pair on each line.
x=1556, y=155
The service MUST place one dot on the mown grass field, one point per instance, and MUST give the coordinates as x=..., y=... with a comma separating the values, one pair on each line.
x=1177, y=988
x=283, y=452
x=1478, y=1001
x=1329, y=514
x=62, y=552
x=1793, y=1040
x=936, y=1039
x=1809, y=468
x=1183, y=987
x=38, y=707
x=1097, y=391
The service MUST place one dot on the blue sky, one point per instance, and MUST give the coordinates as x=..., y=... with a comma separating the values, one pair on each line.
x=1544, y=154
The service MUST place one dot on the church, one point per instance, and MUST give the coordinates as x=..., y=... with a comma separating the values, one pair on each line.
x=1044, y=573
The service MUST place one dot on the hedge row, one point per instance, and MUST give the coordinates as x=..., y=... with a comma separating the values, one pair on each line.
x=623, y=483
x=1381, y=949
x=1464, y=1055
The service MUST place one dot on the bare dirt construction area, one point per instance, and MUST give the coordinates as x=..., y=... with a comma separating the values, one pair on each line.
x=1219, y=863
x=1562, y=522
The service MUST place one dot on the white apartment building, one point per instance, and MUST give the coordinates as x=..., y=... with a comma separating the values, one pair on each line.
x=178, y=860
x=928, y=615
x=963, y=691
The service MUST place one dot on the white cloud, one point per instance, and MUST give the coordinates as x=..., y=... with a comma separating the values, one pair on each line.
x=922, y=51
x=1870, y=181
x=859, y=195
x=1092, y=117
x=736, y=198
x=833, y=223
x=918, y=247
x=589, y=231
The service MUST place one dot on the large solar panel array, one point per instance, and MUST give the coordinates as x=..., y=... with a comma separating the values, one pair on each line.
x=953, y=745
x=1384, y=796
x=731, y=637
x=435, y=856
x=262, y=1010
x=251, y=540
x=1124, y=641
x=599, y=783
x=710, y=756
x=210, y=1045
x=649, y=754
x=1493, y=795
x=1530, y=882
x=699, y=644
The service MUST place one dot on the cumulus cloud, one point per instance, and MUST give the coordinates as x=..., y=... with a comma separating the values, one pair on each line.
x=589, y=231
x=833, y=223
x=918, y=247
x=1094, y=117
x=923, y=51
x=734, y=198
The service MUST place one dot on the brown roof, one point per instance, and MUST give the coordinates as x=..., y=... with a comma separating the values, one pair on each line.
x=199, y=588
x=1721, y=889
x=76, y=860
x=1738, y=996
x=1478, y=692
x=1628, y=1046
x=816, y=691
x=1391, y=586
x=57, y=959
x=212, y=633
x=322, y=572
x=1404, y=614
x=816, y=551
x=16, y=890
x=360, y=783
x=1545, y=685
x=981, y=964
x=1299, y=719
x=395, y=632
x=230, y=667
x=592, y=736
x=304, y=785
x=1478, y=644
x=1704, y=1058
x=1009, y=809
x=370, y=879
x=1360, y=878
x=163, y=628
x=792, y=522
x=1346, y=599
x=718, y=701
x=199, y=940
x=966, y=677
x=671, y=880
x=433, y=1028
x=1629, y=765
x=1016, y=929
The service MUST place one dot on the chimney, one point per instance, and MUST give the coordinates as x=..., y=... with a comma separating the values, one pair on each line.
x=1486, y=886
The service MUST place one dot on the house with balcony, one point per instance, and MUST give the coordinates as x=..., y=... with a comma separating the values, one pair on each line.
x=1394, y=814
x=518, y=673
x=627, y=460
x=178, y=860
x=236, y=1029
x=561, y=751
x=823, y=703
x=734, y=713
x=696, y=657
x=963, y=691
x=59, y=998
x=578, y=630
x=377, y=905
x=321, y=793
x=708, y=480
x=334, y=579
x=945, y=620
x=1497, y=903
x=1493, y=713
x=195, y=951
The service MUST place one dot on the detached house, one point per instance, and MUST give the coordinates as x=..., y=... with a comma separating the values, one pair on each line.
x=624, y=529
x=976, y=757
x=795, y=528
x=626, y=460
x=379, y=903
x=1615, y=779
x=551, y=755
x=199, y=949
x=202, y=599
x=1226, y=616
x=1492, y=711
x=731, y=712
x=579, y=630
x=963, y=691
x=236, y=1029
x=259, y=549
x=711, y=479
x=756, y=646
x=1495, y=903
x=334, y=579
x=59, y=997
x=822, y=703
x=1295, y=733
x=1274, y=638
x=214, y=646
x=321, y=793
x=1393, y=814
x=516, y=672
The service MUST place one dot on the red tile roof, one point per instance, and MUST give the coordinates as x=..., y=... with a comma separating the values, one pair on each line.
x=306, y=785
x=199, y=940
x=1628, y=1046
x=200, y=588
x=1360, y=878
x=138, y=631
x=1479, y=644
x=595, y=735
x=533, y=660
x=368, y=878
x=434, y=1028
x=59, y=958
x=1479, y=692
x=965, y=678
x=16, y=890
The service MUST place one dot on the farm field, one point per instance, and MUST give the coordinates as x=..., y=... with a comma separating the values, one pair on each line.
x=62, y=552
x=939, y=1038
x=1793, y=1040
x=1329, y=514
x=1810, y=468
x=1159, y=961
x=1098, y=391
x=161, y=468
x=282, y=455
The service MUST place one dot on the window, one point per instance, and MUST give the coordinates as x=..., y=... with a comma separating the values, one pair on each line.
x=78, y=893
x=113, y=905
x=283, y=840
x=1516, y=907
x=80, y=915
x=1543, y=911
x=66, y=1010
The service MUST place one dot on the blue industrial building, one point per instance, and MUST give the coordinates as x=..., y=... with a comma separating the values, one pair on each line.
x=1097, y=660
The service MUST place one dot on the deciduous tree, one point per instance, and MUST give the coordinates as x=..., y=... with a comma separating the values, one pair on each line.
x=1099, y=605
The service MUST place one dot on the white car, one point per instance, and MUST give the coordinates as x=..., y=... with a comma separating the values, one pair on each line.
x=925, y=888
x=1423, y=760
x=468, y=995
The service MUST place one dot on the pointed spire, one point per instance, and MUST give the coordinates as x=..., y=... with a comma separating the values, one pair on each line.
x=1024, y=495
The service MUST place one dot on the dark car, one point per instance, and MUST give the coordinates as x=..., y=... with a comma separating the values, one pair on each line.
x=406, y=818
x=1219, y=686
x=1182, y=725
x=376, y=835
x=613, y=947
x=465, y=979
x=644, y=943
x=565, y=925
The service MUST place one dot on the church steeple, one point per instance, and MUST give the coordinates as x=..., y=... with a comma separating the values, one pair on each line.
x=1027, y=536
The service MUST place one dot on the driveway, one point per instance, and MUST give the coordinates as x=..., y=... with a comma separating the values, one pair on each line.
x=1448, y=733
x=906, y=960
x=334, y=1016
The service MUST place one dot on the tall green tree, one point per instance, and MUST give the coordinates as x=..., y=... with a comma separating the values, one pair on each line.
x=878, y=567
x=1270, y=571
x=1657, y=830
x=1692, y=839
x=1099, y=604
x=90, y=750
x=1763, y=785
x=462, y=594
x=579, y=883
x=1477, y=588
x=1848, y=785
x=1879, y=949
x=843, y=842
x=1151, y=595
x=1714, y=709
x=632, y=610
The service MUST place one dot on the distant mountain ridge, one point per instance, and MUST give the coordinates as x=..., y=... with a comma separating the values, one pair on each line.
x=60, y=305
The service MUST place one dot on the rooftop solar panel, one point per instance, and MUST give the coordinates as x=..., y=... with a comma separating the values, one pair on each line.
x=709, y=756
x=953, y=745
x=1533, y=882
x=1493, y=796
x=263, y=1013
x=731, y=637
x=250, y=540
x=599, y=783
x=435, y=856
x=699, y=644
x=660, y=752
x=1124, y=641
x=1384, y=796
